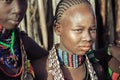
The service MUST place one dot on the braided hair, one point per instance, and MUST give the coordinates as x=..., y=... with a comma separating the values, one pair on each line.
x=63, y=5
x=54, y=63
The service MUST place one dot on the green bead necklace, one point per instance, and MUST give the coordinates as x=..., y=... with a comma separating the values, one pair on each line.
x=11, y=44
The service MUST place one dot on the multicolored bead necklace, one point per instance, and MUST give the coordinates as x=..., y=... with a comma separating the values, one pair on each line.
x=9, y=53
x=70, y=60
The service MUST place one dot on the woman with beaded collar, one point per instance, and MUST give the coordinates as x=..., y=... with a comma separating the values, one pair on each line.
x=72, y=58
x=14, y=44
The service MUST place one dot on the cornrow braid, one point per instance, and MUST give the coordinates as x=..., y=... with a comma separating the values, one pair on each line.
x=63, y=5
x=56, y=71
x=54, y=64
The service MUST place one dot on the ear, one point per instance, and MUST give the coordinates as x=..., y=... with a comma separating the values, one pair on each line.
x=58, y=29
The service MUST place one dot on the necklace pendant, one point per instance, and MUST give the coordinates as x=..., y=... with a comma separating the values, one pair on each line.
x=14, y=57
x=1, y=60
x=15, y=64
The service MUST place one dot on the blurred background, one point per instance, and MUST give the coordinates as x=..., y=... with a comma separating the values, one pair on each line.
x=38, y=22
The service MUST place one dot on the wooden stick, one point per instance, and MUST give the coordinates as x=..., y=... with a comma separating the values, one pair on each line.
x=43, y=23
x=29, y=28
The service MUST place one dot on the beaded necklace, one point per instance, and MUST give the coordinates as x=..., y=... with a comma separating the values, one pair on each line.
x=9, y=53
x=70, y=60
x=56, y=72
x=23, y=69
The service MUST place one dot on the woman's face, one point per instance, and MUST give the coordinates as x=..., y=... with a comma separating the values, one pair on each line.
x=77, y=29
x=12, y=12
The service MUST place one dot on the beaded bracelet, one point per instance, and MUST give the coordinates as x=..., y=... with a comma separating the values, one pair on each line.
x=108, y=51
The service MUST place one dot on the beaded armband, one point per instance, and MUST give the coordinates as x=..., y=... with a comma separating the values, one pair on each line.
x=108, y=51
x=113, y=75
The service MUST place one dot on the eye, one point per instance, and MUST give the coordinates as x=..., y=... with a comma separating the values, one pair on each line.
x=78, y=30
x=7, y=1
x=93, y=30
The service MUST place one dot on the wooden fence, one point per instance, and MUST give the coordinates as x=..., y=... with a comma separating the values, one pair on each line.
x=39, y=18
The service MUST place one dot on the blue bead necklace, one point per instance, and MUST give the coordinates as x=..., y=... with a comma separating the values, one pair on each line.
x=70, y=60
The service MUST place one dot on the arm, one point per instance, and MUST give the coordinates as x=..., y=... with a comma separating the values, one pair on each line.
x=114, y=64
x=40, y=68
x=115, y=52
x=33, y=50
x=108, y=60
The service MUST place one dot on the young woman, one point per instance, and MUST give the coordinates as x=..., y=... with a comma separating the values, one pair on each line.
x=14, y=45
x=73, y=58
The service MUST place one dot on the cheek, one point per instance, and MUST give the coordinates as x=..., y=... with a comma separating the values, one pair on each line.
x=71, y=38
x=65, y=36
x=75, y=37
x=3, y=18
x=4, y=12
x=93, y=36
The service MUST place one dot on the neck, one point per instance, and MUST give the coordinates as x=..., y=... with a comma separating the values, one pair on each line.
x=63, y=48
x=4, y=33
x=70, y=60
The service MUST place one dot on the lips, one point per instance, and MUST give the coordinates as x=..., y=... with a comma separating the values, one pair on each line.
x=85, y=48
x=14, y=21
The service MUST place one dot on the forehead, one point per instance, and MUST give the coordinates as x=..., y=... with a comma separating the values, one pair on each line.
x=78, y=12
x=81, y=15
x=81, y=8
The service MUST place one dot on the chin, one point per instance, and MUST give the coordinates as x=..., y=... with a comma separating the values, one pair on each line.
x=82, y=53
x=11, y=27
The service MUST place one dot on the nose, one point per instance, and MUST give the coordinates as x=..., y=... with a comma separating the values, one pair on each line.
x=86, y=36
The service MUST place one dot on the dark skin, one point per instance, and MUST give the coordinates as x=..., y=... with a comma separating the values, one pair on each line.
x=115, y=52
x=11, y=14
x=77, y=31
x=115, y=49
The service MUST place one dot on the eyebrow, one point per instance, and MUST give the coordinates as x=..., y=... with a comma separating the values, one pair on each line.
x=4, y=0
x=84, y=26
x=94, y=26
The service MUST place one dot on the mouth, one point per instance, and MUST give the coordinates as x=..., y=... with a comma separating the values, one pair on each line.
x=14, y=21
x=85, y=47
